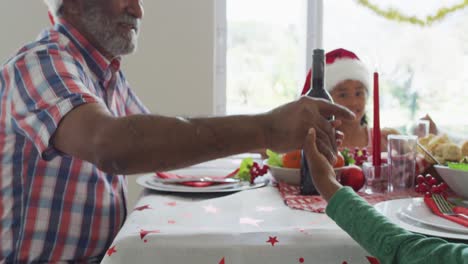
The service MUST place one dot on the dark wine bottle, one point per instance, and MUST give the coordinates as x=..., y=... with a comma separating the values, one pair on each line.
x=317, y=90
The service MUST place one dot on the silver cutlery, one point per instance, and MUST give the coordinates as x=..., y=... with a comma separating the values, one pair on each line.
x=445, y=207
x=427, y=152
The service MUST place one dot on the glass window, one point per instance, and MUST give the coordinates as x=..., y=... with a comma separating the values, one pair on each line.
x=265, y=53
x=423, y=70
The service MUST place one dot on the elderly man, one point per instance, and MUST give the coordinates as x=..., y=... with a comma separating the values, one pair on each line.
x=71, y=128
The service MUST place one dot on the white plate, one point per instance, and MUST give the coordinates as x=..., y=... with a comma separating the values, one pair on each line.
x=201, y=172
x=182, y=187
x=147, y=182
x=419, y=212
x=391, y=210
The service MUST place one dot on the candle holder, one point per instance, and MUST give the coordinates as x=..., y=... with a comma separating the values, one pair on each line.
x=376, y=177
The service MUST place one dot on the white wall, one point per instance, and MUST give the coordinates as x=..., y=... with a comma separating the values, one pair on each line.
x=172, y=71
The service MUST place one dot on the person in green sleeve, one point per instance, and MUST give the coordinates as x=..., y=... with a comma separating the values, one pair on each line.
x=373, y=231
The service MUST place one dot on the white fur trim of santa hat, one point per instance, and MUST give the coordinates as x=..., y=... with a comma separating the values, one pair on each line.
x=345, y=69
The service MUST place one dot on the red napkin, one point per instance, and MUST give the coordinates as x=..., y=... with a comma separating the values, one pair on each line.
x=458, y=209
x=167, y=175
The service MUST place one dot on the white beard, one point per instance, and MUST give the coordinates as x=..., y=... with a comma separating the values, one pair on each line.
x=104, y=30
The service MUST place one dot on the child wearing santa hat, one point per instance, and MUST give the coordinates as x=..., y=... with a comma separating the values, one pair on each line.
x=347, y=81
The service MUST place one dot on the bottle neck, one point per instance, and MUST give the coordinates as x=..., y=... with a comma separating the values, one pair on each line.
x=318, y=70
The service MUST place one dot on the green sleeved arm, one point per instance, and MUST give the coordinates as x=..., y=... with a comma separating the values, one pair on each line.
x=385, y=240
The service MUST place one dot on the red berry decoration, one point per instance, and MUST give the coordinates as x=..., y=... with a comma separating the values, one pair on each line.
x=429, y=185
x=360, y=156
x=421, y=188
x=443, y=186
x=435, y=189
x=420, y=179
x=424, y=187
x=256, y=171
x=433, y=181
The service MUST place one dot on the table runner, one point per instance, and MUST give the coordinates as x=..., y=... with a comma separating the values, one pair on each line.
x=315, y=203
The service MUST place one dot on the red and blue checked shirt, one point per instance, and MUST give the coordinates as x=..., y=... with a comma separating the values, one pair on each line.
x=55, y=207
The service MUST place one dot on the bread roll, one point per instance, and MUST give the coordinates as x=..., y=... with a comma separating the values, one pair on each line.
x=437, y=140
x=451, y=152
x=438, y=150
x=425, y=140
x=464, y=148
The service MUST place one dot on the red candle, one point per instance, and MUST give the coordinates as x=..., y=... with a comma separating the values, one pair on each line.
x=376, y=159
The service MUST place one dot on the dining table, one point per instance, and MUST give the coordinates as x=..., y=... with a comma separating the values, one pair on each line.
x=249, y=226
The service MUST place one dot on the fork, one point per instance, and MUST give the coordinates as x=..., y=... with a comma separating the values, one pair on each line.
x=445, y=207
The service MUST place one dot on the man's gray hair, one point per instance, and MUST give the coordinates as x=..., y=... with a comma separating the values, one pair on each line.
x=55, y=7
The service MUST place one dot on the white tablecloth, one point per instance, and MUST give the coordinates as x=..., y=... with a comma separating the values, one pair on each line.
x=253, y=226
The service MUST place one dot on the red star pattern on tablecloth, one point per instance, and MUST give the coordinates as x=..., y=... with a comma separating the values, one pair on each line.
x=210, y=209
x=272, y=240
x=143, y=233
x=111, y=251
x=171, y=203
x=143, y=207
x=301, y=260
x=221, y=261
x=249, y=221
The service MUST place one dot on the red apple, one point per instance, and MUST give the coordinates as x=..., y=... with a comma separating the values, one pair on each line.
x=353, y=177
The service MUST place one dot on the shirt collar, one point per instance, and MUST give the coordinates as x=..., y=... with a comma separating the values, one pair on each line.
x=95, y=60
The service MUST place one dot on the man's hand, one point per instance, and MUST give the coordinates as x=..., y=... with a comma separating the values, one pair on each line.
x=288, y=125
x=322, y=172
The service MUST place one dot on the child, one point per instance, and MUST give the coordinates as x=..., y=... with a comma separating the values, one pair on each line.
x=378, y=236
x=347, y=81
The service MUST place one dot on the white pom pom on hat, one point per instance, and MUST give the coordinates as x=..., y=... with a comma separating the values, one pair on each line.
x=341, y=65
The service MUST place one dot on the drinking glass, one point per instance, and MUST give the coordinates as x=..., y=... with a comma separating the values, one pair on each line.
x=401, y=162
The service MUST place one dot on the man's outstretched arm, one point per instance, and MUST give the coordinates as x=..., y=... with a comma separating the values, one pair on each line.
x=144, y=143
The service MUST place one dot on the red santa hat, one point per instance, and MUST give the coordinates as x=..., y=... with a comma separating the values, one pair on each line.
x=341, y=65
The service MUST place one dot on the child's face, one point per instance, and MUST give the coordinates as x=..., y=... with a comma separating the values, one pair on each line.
x=352, y=95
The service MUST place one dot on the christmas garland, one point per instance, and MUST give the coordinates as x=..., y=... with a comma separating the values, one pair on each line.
x=393, y=14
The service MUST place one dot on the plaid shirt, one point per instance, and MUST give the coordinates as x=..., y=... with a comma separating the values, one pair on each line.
x=55, y=207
